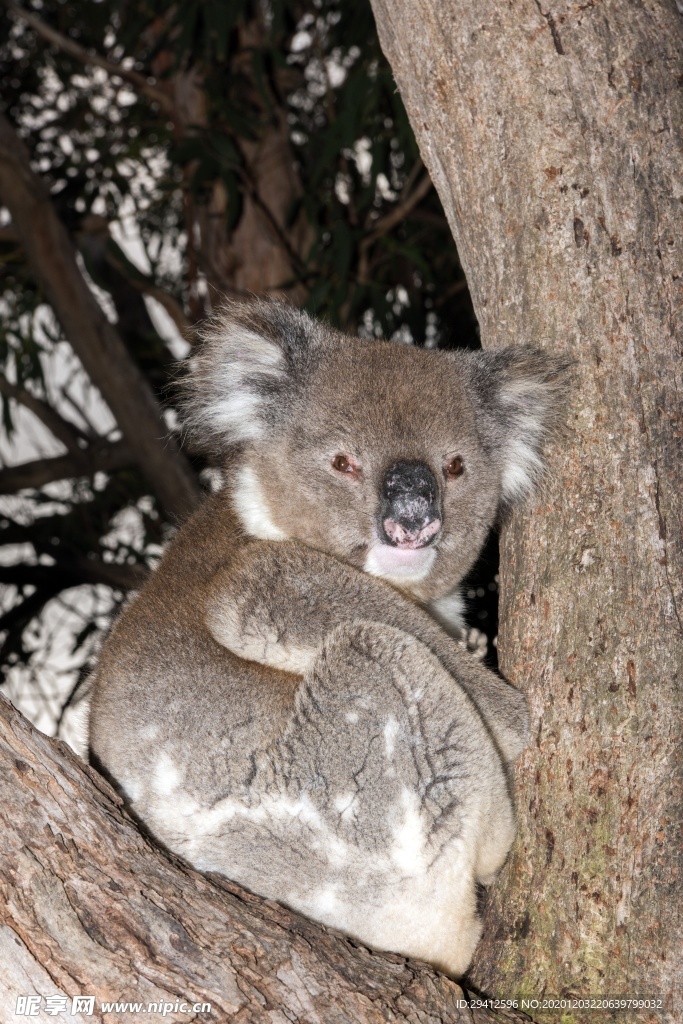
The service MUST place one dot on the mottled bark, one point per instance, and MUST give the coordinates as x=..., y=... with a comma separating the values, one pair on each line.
x=553, y=132
x=89, y=907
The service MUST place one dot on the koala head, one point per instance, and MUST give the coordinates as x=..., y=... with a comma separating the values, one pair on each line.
x=394, y=459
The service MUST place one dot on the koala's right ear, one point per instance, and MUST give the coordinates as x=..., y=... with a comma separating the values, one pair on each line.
x=521, y=394
x=250, y=356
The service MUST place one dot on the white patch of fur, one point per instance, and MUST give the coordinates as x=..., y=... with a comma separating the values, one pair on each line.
x=325, y=901
x=179, y=813
x=272, y=811
x=184, y=806
x=335, y=850
x=345, y=803
x=297, y=660
x=228, y=404
x=382, y=561
x=390, y=732
x=149, y=732
x=431, y=916
x=251, y=506
x=342, y=801
x=132, y=789
x=78, y=733
x=166, y=776
x=522, y=468
x=522, y=461
x=408, y=848
x=449, y=613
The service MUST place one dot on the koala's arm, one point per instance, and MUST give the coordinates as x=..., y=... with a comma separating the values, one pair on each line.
x=277, y=602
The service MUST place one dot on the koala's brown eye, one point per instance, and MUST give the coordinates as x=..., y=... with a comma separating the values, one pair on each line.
x=342, y=464
x=454, y=468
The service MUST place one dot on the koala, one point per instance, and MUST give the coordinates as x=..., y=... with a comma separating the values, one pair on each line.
x=285, y=701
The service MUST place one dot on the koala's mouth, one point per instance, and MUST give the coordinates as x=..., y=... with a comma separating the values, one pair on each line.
x=410, y=539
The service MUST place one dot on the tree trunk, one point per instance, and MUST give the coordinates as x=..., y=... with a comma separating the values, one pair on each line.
x=89, y=907
x=553, y=133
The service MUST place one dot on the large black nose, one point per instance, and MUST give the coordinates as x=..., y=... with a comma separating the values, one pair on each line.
x=409, y=505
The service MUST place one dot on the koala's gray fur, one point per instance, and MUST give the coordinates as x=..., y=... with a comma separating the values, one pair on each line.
x=275, y=713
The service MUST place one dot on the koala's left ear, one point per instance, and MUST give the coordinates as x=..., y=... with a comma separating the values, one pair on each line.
x=521, y=394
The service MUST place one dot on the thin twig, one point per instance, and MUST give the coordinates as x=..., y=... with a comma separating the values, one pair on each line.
x=64, y=575
x=386, y=223
x=400, y=211
x=146, y=286
x=171, y=305
x=78, y=409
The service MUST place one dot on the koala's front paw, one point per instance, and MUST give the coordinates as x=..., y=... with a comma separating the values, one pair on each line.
x=247, y=631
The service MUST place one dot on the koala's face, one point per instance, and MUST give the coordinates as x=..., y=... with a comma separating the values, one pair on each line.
x=378, y=462
x=389, y=457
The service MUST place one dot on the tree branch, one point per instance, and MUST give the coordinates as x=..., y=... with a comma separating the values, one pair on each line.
x=141, y=84
x=400, y=211
x=74, y=573
x=95, y=341
x=146, y=286
x=68, y=433
x=171, y=305
x=94, y=905
x=83, y=462
x=297, y=263
x=111, y=269
x=386, y=223
x=16, y=618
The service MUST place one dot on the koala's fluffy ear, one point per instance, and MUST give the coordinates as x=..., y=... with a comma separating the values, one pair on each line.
x=521, y=394
x=251, y=354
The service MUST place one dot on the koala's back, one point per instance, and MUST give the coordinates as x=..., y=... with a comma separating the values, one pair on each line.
x=167, y=698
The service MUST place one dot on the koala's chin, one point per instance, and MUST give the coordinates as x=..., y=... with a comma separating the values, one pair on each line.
x=277, y=704
x=401, y=566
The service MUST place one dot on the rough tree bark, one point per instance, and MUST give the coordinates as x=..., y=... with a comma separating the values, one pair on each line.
x=553, y=132
x=89, y=907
